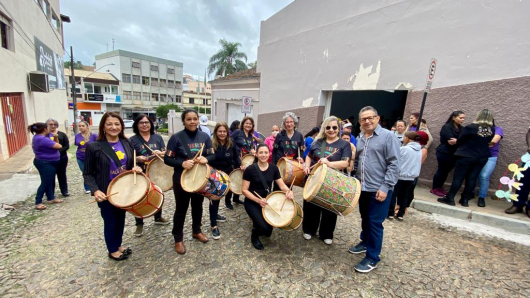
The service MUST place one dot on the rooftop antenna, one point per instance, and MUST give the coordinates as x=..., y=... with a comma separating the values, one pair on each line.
x=113, y=44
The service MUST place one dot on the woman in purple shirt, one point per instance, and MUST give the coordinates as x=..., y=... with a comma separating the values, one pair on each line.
x=82, y=139
x=47, y=157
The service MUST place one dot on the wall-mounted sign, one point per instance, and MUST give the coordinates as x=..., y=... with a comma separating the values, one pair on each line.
x=50, y=63
x=246, y=105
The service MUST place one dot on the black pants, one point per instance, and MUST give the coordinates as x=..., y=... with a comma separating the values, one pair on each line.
x=261, y=227
x=61, y=175
x=228, y=197
x=214, y=210
x=140, y=221
x=113, y=225
x=446, y=162
x=467, y=168
x=182, y=200
x=411, y=196
x=315, y=216
x=523, y=193
x=402, y=193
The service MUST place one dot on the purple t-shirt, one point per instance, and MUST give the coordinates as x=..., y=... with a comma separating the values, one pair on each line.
x=82, y=144
x=43, y=148
x=120, y=151
x=495, y=149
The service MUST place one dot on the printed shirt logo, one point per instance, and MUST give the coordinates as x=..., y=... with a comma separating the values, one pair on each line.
x=290, y=148
x=484, y=131
x=328, y=152
x=120, y=154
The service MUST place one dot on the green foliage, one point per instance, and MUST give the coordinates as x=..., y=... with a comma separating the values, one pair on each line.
x=164, y=125
x=163, y=110
x=162, y=130
x=77, y=65
x=253, y=64
x=202, y=110
x=228, y=59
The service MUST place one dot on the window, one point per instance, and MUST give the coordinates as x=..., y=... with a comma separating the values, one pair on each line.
x=204, y=101
x=170, y=71
x=163, y=97
x=154, y=67
x=5, y=32
x=113, y=89
x=154, y=82
x=154, y=97
x=178, y=99
x=178, y=85
x=191, y=100
x=106, y=89
x=3, y=36
x=136, y=64
x=202, y=89
x=55, y=22
x=171, y=83
x=127, y=95
x=89, y=88
x=146, y=96
x=46, y=8
x=162, y=83
x=136, y=79
x=126, y=78
x=145, y=81
x=137, y=95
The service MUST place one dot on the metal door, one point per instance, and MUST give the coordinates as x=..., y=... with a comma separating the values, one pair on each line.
x=13, y=114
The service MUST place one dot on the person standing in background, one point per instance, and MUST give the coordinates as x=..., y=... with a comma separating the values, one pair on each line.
x=53, y=126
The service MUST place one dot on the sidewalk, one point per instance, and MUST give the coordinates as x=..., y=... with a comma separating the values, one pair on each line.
x=491, y=215
x=20, y=163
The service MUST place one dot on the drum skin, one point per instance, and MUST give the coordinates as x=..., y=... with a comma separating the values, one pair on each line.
x=209, y=182
x=248, y=160
x=332, y=190
x=291, y=215
x=291, y=169
x=160, y=174
x=236, y=181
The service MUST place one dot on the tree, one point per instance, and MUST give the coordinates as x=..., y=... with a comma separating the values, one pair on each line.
x=77, y=65
x=253, y=64
x=163, y=110
x=228, y=59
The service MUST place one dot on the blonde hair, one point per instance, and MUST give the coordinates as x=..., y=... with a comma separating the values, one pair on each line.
x=484, y=118
x=215, y=140
x=322, y=133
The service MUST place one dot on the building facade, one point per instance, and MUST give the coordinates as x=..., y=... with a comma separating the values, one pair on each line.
x=191, y=84
x=146, y=81
x=191, y=99
x=338, y=56
x=32, y=85
x=96, y=93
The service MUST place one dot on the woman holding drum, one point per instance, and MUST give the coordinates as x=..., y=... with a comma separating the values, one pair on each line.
x=289, y=141
x=147, y=144
x=184, y=150
x=226, y=160
x=257, y=184
x=327, y=149
x=104, y=160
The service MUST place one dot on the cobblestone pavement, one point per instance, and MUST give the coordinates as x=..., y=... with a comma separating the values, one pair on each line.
x=61, y=252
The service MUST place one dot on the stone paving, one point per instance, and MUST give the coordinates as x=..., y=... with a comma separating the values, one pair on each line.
x=60, y=252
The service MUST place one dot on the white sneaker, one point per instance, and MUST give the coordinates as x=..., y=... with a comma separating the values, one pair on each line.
x=307, y=236
x=87, y=191
x=328, y=241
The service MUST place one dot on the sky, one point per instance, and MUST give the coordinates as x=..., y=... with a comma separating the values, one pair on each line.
x=180, y=30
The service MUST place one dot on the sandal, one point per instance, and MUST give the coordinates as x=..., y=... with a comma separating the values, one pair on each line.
x=40, y=207
x=7, y=207
x=127, y=251
x=120, y=258
x=56, y=201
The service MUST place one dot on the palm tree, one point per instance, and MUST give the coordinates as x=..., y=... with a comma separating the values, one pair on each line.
x=227, y=60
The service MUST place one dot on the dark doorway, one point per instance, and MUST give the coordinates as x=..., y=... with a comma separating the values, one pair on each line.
x=389, y=105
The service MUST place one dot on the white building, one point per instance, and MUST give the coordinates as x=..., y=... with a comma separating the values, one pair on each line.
x=31, y=34
x=146, y=81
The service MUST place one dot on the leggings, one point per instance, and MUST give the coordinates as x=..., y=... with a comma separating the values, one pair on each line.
x=261, y=227
x=182, y=200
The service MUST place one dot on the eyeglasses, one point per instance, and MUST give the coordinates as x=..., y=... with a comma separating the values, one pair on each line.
x=370, y=119
x=289, y=122
x=332, y=127
x=144, y=122
x=53, y=125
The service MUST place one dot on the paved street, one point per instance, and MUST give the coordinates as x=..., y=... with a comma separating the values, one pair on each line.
x=61, y=252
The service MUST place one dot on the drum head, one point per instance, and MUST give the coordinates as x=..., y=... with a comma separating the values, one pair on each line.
x=128, y=193
x=190, y=184
x=314, y=182
x=236, y=179
x=160, y=174
x=282, y=165
x=248, y=159
x=275, y=200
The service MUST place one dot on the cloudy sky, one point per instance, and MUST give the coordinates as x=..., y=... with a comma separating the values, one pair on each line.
x=187, y=31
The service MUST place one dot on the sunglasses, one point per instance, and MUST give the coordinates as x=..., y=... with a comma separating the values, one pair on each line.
x=332, y=127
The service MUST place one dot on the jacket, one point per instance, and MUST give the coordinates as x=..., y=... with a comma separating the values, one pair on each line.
x=410, y=161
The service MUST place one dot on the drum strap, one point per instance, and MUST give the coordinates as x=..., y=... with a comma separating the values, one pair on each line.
x=323, y=148
x=262, y=179
x=107, y=149
x=182, y=136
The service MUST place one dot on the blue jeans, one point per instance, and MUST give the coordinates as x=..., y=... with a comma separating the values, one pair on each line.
x=47, y=170
x=81, y=164
x=484, y=177
x=113, y=225
x=373, y=214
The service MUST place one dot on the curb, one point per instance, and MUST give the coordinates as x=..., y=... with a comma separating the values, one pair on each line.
x=507, y=224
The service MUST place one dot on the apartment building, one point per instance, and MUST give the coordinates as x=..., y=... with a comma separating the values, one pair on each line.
x=145, y=81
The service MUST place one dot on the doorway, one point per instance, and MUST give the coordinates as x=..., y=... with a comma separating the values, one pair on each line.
x=14, y=123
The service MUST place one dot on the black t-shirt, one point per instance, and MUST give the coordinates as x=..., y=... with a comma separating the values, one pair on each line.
x=176, y=153
x=287, y=147
x=256, y=185
x=474, y=141
x=343, y=148
x=155, y=143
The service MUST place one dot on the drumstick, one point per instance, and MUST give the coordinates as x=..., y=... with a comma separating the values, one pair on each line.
x=290, y=188
x=299, y=157
x=104, y=196
x=134, y=166
x=195, y=172
x=324, y=157
x=153, y=153
x=198, y=153
x=275, y=211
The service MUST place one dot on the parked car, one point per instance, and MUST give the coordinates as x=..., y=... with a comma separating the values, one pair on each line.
x=128, y=123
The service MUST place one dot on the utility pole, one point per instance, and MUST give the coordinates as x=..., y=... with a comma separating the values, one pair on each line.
x=72, y=79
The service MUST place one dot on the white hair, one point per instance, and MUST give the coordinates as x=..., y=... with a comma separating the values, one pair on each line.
x=293, y=116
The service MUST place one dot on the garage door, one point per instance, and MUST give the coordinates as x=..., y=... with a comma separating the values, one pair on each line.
x=234, y=113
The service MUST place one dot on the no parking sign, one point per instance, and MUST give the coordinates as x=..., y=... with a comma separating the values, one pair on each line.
x=430, y=77
x=246, y=106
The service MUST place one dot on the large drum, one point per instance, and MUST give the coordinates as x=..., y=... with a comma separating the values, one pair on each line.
x=291, y=215
x=248, y=160
x=208, y=181
x=332, y=190
x=291, y=169
x=236, y=181
x=160, y=174
x=142, y=199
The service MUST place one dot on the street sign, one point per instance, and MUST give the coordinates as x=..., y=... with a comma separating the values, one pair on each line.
x=430, y=76
x=172, y=114
x=246, y=106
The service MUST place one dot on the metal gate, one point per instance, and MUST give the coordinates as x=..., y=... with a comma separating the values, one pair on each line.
x=13, y=114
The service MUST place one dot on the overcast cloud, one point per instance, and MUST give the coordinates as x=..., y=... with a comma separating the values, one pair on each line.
x=187, y=31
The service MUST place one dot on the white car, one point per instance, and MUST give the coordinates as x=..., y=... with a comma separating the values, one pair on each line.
x=128, y=123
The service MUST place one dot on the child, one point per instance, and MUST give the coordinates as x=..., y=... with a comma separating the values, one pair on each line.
x=409, y=170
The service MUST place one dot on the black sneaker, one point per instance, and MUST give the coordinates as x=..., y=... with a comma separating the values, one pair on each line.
x=216, y=234
x=221, y=218
x=390, y=217
x=238, y=201
x=230, y=206
x=365, y=266
x=357, y=249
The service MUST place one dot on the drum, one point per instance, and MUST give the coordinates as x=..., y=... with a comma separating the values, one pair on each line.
x=291, y=215
x=291, y=169
x=247, y=160
x=209, y=182
x=332, y=190
x=160, y=174
x=142, y=199
x=236, y=180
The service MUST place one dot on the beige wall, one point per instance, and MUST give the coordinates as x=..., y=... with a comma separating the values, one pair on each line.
x=228, y=93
